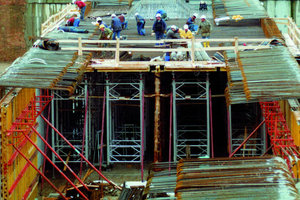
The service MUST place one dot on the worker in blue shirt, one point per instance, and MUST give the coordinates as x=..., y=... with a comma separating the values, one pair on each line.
x=191, y=22
x=116, y=26
x=140, y=23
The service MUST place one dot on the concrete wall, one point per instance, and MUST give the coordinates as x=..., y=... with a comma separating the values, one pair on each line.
x=20, y=23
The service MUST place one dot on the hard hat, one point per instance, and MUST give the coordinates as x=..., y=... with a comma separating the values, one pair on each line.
x=99, y=19
x=195, y=15
x=186, y=26
x=73, y=1
x=101, y=26
x=173, y=27
x=203, y=17
x=136, y=14
x=122, y=14
x=113, y=15
x=158, y=15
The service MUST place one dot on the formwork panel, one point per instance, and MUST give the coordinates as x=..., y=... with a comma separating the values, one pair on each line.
x=19, y=177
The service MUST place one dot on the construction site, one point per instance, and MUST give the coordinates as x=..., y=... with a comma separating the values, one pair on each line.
x=115, y=119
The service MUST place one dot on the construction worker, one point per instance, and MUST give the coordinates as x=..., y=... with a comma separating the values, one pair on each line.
x=202, y=6
x=81, y=6
x=185, y=33
x=74, y=20
x=140, y=23
x=123, y=21
x=99, y=22
x=163, y=14
x=105, y=33
x=159, y=27
x=205, y=29
x=191, y=22
x=172, y=33
x=116, y=26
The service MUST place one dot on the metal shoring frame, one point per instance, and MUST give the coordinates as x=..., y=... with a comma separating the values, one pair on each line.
x=178, y=95
x=57, y=143
x=113, y=144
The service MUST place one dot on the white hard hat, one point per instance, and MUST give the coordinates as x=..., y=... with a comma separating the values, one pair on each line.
x=173, y=27
x=195, y=14
x=113, y=15
x=136, y=14
x=99, y=19
x=158, y=15
x=203, y=17
x=73, y=1
x=186, y=26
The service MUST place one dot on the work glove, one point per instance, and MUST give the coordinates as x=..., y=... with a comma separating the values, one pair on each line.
x=152, y=34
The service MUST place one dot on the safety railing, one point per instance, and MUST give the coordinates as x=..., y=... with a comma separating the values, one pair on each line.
x=54, y=20
x=292, y=31
x=118, y=46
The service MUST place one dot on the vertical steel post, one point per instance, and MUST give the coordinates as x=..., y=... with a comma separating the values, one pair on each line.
x=229, y=127
x=86, y=89
x=208, y=115
x=174, y=119
x=142, y=127
x=157, y=139
x=108, y=120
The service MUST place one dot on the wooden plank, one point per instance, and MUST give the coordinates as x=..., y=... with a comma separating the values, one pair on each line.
x=163, y=50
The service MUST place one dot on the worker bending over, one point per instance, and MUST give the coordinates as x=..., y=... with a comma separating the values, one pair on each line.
x=191, y=22
x=73, y=21
x=140, y=23
x=205, y=29
x=159, y=27
x=81, y=6
x=123, y=21
x=116, y=26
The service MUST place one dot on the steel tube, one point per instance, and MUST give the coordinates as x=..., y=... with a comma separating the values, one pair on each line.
x=59, y=157
x=49, y=160
x=82, y=156
x=53, y=186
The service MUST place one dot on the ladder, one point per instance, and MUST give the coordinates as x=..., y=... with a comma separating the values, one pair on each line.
x=281, y=139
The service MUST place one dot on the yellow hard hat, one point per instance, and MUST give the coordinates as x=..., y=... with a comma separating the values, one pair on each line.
x=101, y=26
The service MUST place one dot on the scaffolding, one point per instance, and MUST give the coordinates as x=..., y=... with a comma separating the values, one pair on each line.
x=124, y=133
x=192, y=138
x=67, y=114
